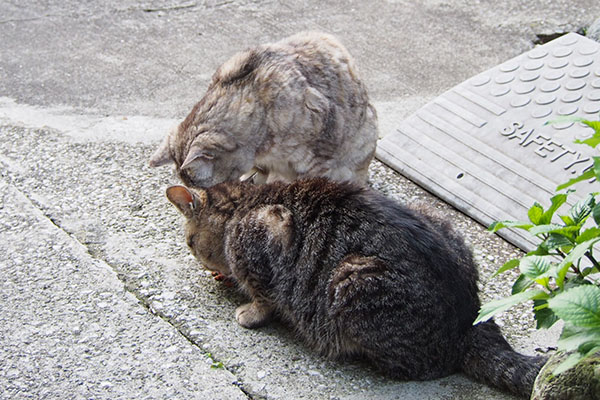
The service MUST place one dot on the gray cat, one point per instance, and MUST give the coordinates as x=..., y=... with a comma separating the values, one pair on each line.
x=355, y=274
x=291, y=109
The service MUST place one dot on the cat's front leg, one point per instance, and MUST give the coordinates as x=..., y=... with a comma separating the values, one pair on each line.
x=254, y=248
x=254, y=314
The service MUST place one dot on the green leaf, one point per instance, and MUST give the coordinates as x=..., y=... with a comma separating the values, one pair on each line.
x=588, y=234
x=492, y=308
x=554, y=228
x=589, y=270
x=556, y=241
x=589, y=348
x=579, y=306
x=592, y=351
x=591, y=141
x=583, y=342
x=596, y=214
x=507, y=265
x=535, y=213
x=582, y=209
x=557, y=201
x=573, y=337
x=589, y=174
x=521, y=284
x=535, y=267
x=592, y=124
x=567, y=220
x=575, y=254
x=595, y=139
x=568, y=363
x=496, y=226
x=541, y=250
x=544, y=317
x=596, y=167
x=575, y=281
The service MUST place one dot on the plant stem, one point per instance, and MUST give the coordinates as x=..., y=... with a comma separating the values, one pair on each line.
x=590, y=257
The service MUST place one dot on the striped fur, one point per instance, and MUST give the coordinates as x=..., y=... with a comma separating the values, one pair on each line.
x=356, y=275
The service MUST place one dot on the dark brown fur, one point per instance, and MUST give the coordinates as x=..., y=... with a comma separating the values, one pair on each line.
x=356, y=275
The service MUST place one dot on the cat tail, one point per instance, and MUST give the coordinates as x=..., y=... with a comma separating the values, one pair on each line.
x=489, y=358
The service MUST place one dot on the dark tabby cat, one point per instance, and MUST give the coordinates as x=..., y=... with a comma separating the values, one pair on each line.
x=355, y=274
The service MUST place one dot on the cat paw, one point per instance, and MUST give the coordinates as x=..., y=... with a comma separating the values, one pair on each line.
x=252, y=315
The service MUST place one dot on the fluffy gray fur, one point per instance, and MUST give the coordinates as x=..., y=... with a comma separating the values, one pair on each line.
x=291, y=109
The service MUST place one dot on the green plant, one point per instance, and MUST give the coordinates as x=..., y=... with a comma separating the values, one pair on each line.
x=215, y=363
x=561, y=274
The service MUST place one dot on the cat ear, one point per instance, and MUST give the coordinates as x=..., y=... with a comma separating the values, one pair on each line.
x=315, y=100
x=237, y=67
x=198, y=162
x=183, y=199
x=195, y=155
x=162, y=155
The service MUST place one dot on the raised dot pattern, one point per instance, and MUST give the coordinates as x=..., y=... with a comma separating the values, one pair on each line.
x=553, y=79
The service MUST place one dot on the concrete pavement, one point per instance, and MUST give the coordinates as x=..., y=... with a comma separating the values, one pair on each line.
x=71, y=329
x=100, y=297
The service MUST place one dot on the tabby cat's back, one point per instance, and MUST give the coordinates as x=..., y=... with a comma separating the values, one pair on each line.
x=356, y=275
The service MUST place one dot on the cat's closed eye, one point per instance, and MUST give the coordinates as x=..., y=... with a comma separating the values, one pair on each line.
x=190, y=241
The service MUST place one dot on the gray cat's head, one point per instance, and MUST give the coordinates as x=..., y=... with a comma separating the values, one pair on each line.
x=204, y=229
x=203, y=156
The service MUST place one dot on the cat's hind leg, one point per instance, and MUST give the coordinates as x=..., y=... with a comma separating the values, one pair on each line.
x=389, y=319
x=354, y=277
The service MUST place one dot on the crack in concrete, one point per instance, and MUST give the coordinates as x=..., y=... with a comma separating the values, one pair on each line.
x=145, y=302
x=16, y=20
x=543, y=38
x=142, y=300
x=176, y=7
x=170, y=8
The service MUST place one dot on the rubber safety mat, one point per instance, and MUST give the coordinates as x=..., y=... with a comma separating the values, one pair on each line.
x=484, y=145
